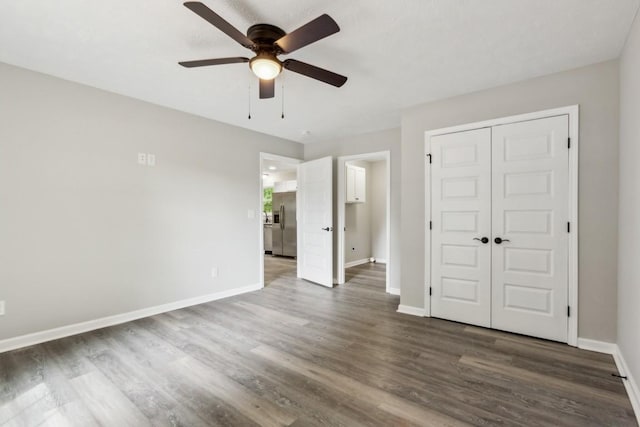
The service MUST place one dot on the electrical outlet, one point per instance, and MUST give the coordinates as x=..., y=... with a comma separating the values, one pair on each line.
x=142, y=158
x=214, y=272
x=151, y=159
x=1, y=308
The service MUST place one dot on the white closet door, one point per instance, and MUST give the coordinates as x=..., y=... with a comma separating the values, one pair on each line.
x=461, y=216
x=530, y=210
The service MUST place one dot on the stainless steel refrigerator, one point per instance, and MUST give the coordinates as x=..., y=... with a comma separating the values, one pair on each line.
x=284, y=233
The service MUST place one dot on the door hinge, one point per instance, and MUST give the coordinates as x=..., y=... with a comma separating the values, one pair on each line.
x=568, y=227
x=430, y=225
x=568, y=142
x=429, y=156
x=568, y=311
x=430, y=291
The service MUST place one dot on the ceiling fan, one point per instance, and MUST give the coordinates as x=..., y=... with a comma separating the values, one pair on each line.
x=267, y=42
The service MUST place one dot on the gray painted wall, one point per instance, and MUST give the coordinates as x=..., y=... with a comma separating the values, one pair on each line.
x=388, y=140
x=629, y=223
x=81, y=222
x=85, y=232
x=378, y=206
x=595, y=88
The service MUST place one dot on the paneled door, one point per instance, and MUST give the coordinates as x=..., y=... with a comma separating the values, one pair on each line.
x=530, y=237
x=461, y=227
x=315, y=221
x=499, y=231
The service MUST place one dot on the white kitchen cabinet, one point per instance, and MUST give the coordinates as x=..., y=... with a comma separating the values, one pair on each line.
x=285, y=186
x=356, y=184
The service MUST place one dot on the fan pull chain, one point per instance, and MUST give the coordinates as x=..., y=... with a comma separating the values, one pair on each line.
x=249, y=117
x=282, y=116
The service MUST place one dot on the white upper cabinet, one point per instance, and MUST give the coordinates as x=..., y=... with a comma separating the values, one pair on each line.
x=285, y=186
x=356, y=184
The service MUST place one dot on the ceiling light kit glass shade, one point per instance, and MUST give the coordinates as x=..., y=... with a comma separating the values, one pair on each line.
x=265, y=67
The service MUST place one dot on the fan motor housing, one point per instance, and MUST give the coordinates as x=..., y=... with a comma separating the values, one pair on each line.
x=265, y=35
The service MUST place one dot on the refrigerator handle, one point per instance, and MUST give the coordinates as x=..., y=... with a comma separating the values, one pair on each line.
x=282, y=217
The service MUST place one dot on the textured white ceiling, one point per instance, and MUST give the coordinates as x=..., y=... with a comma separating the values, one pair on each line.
x=396, y=53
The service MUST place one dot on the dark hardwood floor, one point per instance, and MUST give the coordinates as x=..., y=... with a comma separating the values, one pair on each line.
x=299, y=354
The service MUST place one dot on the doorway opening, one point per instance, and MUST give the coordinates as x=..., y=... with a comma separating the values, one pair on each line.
x=278, y=225
x=364, y=212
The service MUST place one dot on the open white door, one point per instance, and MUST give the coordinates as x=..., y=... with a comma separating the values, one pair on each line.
x=315, y=221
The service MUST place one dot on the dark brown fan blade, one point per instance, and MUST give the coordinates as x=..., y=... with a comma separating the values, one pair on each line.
x=267, y=88
x=217, y=61
x=315, y=72
x=217, y=21
x=311, y=32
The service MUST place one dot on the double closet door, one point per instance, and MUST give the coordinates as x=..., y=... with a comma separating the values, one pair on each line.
x=499, y=238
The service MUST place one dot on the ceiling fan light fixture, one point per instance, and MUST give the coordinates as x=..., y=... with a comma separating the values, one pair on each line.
x=267, y=41
x=266, y=67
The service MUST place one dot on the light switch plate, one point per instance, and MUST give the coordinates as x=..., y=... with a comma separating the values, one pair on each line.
x=214, y=272
x=142, y=158
x=1, y=308
x=151, y=159
x=251, y=214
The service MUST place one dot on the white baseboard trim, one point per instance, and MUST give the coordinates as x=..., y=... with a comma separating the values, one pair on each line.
x=597, y=346
x=380, y=261
x=394, y=291
x=90, y=325
x=630, y=383
x=413, y=311
x=356, y=262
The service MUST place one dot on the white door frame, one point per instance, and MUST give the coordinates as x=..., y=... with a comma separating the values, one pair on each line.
x=267, y=156
x=379, y=155
x=574, y=126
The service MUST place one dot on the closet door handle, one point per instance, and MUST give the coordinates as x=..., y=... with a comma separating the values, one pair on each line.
x=498, y=240
x=484, y=240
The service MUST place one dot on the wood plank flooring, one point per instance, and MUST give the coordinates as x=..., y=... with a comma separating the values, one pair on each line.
x=303, y=355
